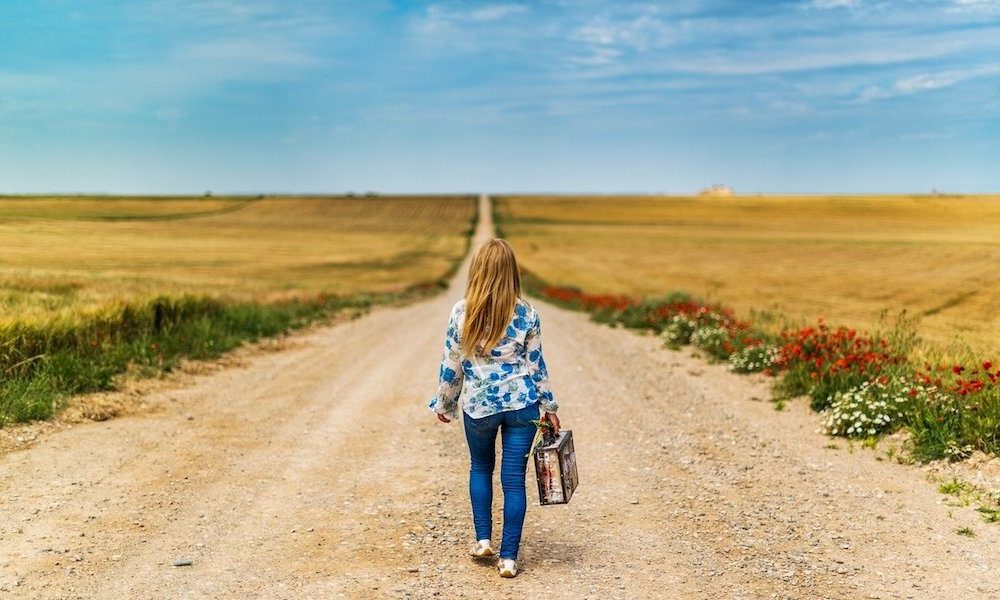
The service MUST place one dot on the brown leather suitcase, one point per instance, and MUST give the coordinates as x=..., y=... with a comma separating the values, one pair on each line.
x=555, y=468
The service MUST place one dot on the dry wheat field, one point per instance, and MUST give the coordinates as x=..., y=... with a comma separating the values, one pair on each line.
x=846, y=259
x=64, y=255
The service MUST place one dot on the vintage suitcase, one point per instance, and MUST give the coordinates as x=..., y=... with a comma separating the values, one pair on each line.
x=555, y=468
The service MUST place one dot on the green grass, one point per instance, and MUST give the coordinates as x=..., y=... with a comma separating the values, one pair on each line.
x=44, y=364
x=954, y=487
x=967, y=494
x=989, y=514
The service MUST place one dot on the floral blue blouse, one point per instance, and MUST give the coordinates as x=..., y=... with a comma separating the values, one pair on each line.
x=511, y=376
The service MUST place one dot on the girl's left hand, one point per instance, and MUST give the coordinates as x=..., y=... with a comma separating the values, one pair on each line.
x=553, y=421
x=443, y=418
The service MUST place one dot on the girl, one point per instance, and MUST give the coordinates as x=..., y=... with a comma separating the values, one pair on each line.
x=493, y=355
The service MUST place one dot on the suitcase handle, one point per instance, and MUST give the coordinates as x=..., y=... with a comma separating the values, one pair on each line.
x=543, y=436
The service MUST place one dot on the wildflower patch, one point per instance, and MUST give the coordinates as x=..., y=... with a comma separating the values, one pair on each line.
x=865, y=384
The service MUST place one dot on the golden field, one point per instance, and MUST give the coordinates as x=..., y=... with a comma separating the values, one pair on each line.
x=66, y=255
x=846, y=259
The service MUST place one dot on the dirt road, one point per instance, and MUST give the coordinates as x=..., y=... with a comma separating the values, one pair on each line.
x=318, y=472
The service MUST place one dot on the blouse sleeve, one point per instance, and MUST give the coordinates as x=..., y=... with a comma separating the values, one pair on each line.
x=450, y=375
x=536, y=366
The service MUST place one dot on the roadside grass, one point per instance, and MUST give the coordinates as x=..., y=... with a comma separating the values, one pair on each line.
x=864, y=384
x=964, y=494
x=989, y=514
x=46, y=363
x=78, y=329
x=955, y=488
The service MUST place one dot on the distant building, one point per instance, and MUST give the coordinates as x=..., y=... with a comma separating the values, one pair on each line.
x=718, y=190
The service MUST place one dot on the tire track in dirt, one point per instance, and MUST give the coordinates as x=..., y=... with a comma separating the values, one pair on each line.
x=318, y=472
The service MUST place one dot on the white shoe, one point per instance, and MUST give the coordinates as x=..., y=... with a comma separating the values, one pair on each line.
x=482, y=549
x=507, y=567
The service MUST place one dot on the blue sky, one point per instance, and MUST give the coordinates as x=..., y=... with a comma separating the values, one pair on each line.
x=808, y=96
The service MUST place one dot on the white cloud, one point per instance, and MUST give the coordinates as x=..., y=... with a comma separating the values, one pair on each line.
x=259, y=52
x=281, y=32
x=873, y=92
x=450, y=25
x=200, y=46
x=767, y=49
x=925, y=82
x=605, y=38
x=979, y=8
x=210, y=13
x=828, y=4
x=597, y=56
x=929, y=81
x=441, y=17
x=495, y=12
x=638, y=33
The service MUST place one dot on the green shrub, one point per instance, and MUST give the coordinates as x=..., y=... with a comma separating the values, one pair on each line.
x=44, y=363
x=951, y=426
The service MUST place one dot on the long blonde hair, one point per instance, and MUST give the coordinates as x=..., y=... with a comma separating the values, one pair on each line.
x=493, y=289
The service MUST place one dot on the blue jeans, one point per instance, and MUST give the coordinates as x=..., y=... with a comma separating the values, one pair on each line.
x=516, y=433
